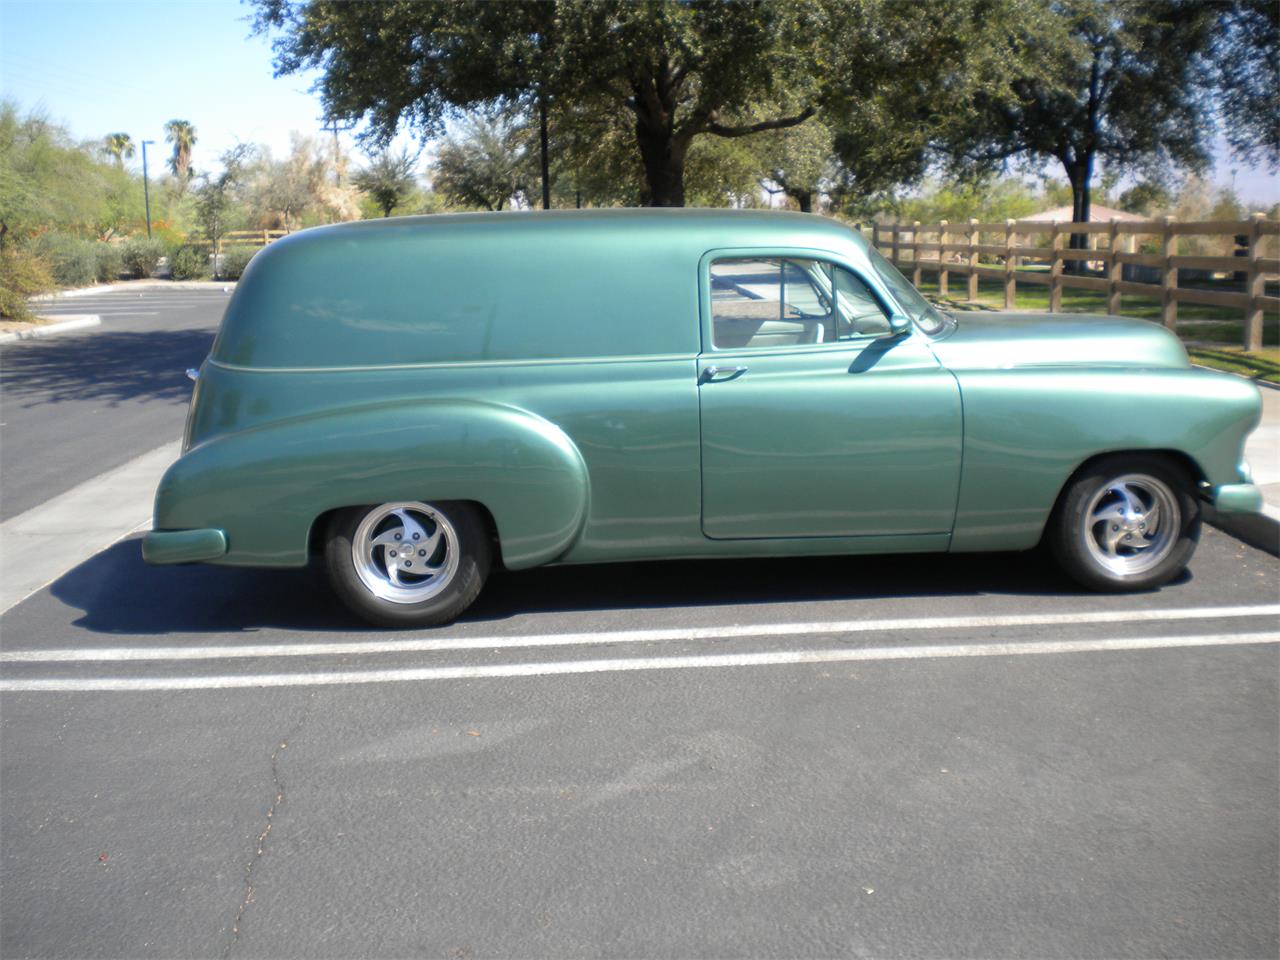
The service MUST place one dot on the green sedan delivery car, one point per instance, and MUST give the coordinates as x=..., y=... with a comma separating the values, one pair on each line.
x=419, y=399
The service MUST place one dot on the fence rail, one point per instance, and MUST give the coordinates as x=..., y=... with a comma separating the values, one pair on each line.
x=241, y=238
x=959, y=249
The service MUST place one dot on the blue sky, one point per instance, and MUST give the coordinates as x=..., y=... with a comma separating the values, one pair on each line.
x=99, y=67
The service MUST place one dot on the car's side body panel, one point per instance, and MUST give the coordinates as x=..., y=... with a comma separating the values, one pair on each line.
x=550, y=368
x=1028, y=429
x=853, y=439
x=266, y=486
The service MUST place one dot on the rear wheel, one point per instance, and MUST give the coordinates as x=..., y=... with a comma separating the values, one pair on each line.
x=408, y=563
x=1127, y=522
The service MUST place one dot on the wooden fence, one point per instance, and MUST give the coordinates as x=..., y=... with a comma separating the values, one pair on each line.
x=968, y=249
x=240, y=238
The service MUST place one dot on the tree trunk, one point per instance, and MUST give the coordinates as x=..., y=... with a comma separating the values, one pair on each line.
x=546, y=160
x=803, y=199
x=1080, y=174
x=663, y=162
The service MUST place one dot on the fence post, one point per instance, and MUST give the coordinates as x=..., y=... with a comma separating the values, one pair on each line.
x=972, y=291
x=893, y=258
x=1256, y=288
x=1010, y=283
x=875, y=234
x=916, y=273
x=943, y=236
x=1055, y=269
x=1168, y=276
x=1113, y=269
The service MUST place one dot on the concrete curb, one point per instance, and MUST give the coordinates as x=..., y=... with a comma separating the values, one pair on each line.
x=73, y=322
x=135, y=285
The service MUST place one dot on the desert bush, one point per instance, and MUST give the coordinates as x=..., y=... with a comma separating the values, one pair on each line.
x=23, y=273
x=73, y=261
x=233, y=262
x=188, y=263
x=110, y=260
x=142, y=255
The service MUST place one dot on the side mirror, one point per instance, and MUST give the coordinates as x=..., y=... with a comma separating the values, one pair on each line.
x=899, y=325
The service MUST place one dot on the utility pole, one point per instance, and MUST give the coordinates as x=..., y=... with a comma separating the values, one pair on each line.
x=331, y=124
x=146, y=190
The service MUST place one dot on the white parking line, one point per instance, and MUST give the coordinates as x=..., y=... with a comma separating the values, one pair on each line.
x=756, y=630
x=137, y=684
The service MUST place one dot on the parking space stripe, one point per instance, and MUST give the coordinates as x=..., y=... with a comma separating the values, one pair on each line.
x=779, y=658
x=727, y=632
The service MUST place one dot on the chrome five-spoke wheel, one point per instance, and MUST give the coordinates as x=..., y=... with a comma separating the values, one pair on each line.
x=408, y=563
x=405, y=552
x=1132, y=523
x=1126, y=522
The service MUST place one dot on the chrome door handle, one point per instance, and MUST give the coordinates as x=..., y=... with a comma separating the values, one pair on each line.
x=726, y=373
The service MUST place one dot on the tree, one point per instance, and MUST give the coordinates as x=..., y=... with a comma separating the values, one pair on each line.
x=119, y=146
x=291, y=186
x=389, y=178
x=1246, y=58
x=487, y=163
x=1120, y=82
x=674, y=69
x=215, y=198
x=183, y=137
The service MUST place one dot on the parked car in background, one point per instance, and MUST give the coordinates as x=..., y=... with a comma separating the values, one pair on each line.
x=419, y=399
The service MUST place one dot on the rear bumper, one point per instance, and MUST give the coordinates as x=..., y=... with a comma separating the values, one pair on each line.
x=183, y=546
x=1236, y=498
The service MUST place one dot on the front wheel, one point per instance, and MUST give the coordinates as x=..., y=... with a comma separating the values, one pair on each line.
x=1127, y=522
x=408, y=564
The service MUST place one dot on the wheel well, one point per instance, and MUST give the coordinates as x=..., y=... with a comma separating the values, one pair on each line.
x=315, y=536
x=1175, y=457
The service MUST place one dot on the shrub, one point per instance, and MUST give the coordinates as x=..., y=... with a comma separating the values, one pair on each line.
x=233, y=262
x=74, y=262
x=142, y=255
x=23, y=273
x=188, y=263
x=110, y=260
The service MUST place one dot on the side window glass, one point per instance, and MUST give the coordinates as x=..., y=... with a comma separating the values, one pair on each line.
x=859, y=313
x=771, y=302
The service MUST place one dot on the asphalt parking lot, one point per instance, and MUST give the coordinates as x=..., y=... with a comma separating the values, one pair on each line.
x=953, y=756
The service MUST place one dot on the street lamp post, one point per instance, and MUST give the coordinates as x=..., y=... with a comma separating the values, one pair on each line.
x=146, y=190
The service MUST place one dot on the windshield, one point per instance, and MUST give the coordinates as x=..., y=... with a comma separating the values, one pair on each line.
x=927, y=317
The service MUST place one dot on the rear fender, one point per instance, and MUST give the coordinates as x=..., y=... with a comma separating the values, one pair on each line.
x=266, y=486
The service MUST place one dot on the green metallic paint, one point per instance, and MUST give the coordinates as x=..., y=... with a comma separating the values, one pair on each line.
x=183, y=546
x=266, y=486
x=1237, y=498
x=1028, y=429
x=547, y=367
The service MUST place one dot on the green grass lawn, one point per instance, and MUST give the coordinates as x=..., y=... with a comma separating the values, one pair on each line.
x=1212, y=334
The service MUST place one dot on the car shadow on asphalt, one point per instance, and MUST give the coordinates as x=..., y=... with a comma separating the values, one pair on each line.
x=122, y=365
x=119, y=594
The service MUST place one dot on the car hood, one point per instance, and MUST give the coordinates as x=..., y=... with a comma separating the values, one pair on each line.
x=1001, y=340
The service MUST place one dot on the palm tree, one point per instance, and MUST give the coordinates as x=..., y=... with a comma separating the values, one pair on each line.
x=183, y=137
x=118, y=145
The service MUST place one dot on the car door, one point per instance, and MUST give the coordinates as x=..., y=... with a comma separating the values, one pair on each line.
x=818, y=419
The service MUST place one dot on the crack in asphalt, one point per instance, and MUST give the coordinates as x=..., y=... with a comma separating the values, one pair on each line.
x=260, y=843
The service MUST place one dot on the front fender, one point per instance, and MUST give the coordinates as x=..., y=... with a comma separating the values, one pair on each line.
x=265, y=487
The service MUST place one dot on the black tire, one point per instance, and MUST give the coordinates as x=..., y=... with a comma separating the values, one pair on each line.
x=371, y=592
x=1128, y=486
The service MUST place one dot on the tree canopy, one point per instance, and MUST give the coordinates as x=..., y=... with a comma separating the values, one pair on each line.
x=1124, y=82
x=672, y=73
